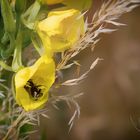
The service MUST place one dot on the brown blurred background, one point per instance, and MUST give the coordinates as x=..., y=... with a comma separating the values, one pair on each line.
x=110, y=107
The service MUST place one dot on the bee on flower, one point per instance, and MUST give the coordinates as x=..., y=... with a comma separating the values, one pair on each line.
x=33, y=83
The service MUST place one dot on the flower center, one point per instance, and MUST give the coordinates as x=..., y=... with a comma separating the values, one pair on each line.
x=33, y=90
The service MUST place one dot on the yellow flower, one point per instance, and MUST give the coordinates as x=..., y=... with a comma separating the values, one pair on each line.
x=50, y=2
x=61, y=29
x=76, y=4
x=32, y=83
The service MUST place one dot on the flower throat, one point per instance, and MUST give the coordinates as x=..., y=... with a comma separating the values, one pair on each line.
x=33, y=90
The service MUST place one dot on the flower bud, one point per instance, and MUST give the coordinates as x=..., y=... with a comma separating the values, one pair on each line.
x=61, y=29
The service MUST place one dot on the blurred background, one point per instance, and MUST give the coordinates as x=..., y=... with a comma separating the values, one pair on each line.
x=110, y=106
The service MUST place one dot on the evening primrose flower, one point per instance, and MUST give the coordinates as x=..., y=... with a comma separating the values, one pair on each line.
x=61, y=29
x=33, y=83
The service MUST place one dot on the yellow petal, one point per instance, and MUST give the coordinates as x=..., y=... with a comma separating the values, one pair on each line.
x=42, y=73
x=61, y=29
x=50, y=2
x=76, y=4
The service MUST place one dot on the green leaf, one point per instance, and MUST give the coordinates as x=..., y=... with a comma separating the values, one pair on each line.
x=34, y=11
x=5, y=66
x=10, y=29
x=1, y=26
x=78, y=4
x=29, y=17
x=20, y=6
x=7, y=50
x=5, y=38
x=8, y=18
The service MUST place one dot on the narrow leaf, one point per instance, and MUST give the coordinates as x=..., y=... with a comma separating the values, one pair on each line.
x=8, y=18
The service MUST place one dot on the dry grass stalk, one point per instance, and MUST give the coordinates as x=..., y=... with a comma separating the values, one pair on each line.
x=108, y=13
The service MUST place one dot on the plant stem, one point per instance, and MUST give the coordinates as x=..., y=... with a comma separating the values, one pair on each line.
x=5, y=66
x=15, y=123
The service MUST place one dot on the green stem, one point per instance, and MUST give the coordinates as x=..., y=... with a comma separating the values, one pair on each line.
x=5, y=66
x=37, y=43
x=14, y=125
x=17, y=60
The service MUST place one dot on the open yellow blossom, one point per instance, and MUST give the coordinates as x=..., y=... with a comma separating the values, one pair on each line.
x=61, y=29
x=32, y=83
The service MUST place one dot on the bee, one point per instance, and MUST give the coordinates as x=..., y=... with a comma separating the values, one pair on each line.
x=33, y=90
